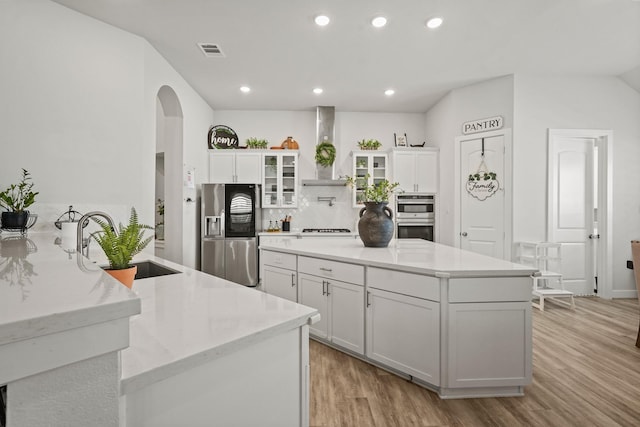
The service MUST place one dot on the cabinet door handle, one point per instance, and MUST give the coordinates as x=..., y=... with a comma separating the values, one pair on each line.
x=293, y=281
x=325, y=269
x=328, y=293
x=368, y=302
x=323, y=291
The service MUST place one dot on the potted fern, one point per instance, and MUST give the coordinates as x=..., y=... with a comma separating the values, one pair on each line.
x=16, y=199
x=121, y=245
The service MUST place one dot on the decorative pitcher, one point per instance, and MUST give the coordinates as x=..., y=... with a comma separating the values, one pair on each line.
x=376, y=224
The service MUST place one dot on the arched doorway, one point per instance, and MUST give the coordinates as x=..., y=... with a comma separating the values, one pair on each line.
x=169, y=141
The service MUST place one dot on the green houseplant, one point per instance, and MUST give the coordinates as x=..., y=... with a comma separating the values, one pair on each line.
x=369, y=144
x=254, y=143
x=16, y=199
x=121, y=245
x=375, y=226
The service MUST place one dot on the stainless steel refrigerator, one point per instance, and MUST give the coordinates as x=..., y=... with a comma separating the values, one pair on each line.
x=231, y=215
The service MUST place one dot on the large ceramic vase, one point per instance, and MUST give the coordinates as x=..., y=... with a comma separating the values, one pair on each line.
x=376, y=224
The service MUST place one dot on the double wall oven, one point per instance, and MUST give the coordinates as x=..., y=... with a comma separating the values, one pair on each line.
x=415, y=216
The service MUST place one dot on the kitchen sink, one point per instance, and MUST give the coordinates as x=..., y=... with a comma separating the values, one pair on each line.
x=147, y=269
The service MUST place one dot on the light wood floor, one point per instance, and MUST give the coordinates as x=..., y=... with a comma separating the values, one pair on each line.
x=586, y=372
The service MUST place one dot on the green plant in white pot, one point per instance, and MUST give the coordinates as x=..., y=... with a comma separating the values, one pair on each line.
x=121, y=245
x=16, y=199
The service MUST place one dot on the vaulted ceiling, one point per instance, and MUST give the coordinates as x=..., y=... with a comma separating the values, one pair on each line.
x=275, y=48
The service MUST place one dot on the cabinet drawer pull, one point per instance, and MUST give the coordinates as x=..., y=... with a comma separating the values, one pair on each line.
x=326, y=269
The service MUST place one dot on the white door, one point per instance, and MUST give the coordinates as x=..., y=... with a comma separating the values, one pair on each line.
x=571, y=207
x=482, y=217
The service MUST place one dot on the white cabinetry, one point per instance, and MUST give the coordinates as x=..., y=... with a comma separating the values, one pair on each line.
x=489, y=318
x=280, y=180
x=279, y=275
x=235, y=166
x=403, y=327
x=416, y=170
x=336, y=290
x=369, y=167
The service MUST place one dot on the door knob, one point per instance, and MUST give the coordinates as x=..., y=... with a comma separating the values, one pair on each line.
x=463, y=234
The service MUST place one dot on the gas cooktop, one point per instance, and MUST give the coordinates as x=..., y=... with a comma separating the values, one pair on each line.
x=326, y=230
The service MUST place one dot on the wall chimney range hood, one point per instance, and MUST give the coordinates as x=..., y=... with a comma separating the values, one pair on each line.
x=325, y=127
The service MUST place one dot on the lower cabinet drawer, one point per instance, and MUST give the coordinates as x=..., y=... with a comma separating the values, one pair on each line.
x=278, y=259
x=414, y=285
x=331, y=269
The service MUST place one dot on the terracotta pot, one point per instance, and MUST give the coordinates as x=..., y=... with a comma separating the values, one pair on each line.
x=376, y=224
x=124, y=276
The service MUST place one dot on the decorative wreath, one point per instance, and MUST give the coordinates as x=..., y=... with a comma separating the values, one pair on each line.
x=325, y=154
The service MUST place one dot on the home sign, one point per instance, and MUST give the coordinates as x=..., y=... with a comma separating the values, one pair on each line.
x=482, y=125
x=222, y=137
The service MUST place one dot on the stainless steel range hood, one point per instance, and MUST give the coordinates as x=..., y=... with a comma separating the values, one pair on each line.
x=325, y=131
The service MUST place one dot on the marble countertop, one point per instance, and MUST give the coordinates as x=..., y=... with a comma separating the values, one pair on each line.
x=185, y=319
x=191, y=318
x=411, y=255
x=44, y=291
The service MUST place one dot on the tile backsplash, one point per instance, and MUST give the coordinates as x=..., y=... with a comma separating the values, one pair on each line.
x=312, y=213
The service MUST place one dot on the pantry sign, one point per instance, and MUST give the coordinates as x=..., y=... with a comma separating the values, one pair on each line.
x=482, y=125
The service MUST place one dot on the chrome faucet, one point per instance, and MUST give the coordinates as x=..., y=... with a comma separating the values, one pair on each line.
x=85, y=217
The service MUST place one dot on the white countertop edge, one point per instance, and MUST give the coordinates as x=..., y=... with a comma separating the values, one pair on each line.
x=64, y=321
x=154, y=375
x=405, y=268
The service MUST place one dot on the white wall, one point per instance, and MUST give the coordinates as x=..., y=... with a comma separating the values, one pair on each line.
x=444, y=123
x=350, y=127
x=78, y=112
x=574, y=102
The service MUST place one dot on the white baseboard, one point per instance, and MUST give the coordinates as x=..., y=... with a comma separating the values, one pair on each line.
x=624, y=293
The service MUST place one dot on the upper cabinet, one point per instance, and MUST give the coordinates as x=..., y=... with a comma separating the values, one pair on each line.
x=235, y=166
x=416, y=170
x=373, y=164
x=280, y=179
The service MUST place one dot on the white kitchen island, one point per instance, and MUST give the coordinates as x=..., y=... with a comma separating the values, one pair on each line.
x=453, y=321
x=77, y=348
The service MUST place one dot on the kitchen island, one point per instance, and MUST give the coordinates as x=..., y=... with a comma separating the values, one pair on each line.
x=456, y=322
x=77, y=348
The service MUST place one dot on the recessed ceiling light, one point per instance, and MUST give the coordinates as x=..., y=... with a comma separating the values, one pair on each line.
x=379, y=21
x=317, y=90
x=389, y=92
x=322, y=20
x=245, y=89
x=434, y=22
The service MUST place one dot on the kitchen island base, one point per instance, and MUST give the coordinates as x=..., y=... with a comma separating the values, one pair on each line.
x=265, y=384
x=452, y=321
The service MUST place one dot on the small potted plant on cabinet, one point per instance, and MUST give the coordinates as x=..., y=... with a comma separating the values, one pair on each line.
x=16, y=199
x=369, y=144
x=255, y=143
x=121, y=245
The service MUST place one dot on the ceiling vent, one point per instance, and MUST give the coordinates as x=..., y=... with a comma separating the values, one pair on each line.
x=211, y=50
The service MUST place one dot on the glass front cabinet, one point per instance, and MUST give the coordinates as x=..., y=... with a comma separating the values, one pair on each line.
x=280, y=180
x=369, y=168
